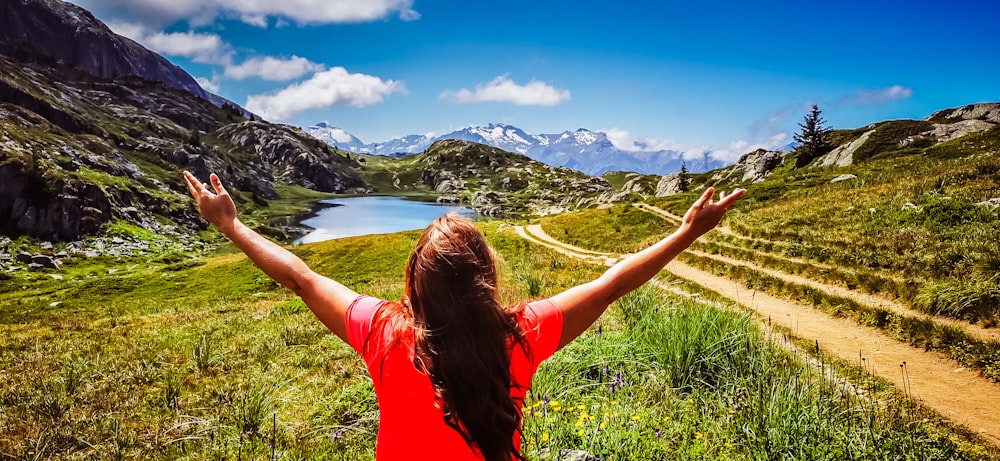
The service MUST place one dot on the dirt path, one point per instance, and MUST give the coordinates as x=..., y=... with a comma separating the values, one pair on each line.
x=989, y=334
x=727, y=231
x=959, y=394
x=868, y=299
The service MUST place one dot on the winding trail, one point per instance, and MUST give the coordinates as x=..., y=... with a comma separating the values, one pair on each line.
x=959, y=394
x=868, y=299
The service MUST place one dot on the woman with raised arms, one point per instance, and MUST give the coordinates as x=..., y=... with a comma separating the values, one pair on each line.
x=451, y=366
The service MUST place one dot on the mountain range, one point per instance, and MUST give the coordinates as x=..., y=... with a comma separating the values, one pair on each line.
x=591, y=152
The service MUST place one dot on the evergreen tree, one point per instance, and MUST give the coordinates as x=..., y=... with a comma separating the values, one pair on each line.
x=683, y=178
x=814, y=137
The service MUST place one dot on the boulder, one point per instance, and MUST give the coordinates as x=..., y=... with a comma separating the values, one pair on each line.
x=947, y=132
x=45, y=261
x=24, y=257
x=844, y=155
x=668, y=185
x=993, y=202
x=843, y=177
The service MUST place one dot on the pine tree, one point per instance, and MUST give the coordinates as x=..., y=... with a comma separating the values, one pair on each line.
x=683, y=178
x=814, y=138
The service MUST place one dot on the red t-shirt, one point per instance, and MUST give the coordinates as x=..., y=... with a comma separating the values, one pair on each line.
x=410, y=425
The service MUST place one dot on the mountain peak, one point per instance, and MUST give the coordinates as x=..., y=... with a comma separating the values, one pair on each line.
x=71, y=36
x=583, y=149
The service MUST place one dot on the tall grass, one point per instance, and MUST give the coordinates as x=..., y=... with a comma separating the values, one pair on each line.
x=683, y=380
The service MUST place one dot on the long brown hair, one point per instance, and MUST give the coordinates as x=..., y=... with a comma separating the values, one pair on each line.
x=462, y=336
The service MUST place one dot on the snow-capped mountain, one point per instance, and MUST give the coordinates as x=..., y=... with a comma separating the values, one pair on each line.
x=588, y=151
x=337, y=137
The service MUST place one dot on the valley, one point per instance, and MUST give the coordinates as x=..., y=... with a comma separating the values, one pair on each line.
x=847, y=308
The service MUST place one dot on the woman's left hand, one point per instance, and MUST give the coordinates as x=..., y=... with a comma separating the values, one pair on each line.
x=217, y=207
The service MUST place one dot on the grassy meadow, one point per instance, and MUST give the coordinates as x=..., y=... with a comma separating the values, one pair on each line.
x=179, y=358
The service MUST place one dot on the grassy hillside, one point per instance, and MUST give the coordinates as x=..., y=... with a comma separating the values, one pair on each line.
x=493, y=182
x=210, y=359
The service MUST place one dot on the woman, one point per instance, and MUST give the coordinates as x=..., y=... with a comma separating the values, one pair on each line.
x=450, y=365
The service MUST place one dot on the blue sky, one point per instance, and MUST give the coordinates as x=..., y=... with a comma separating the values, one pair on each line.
x=725, y=76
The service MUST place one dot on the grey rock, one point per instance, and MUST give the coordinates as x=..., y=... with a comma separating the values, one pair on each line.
x=844, y=155
x=989, y=112
x=23, y=257
x=576, y=455
x=910, y=206
x=993, y=202
x=45, y=261
x=843, y=177
x=35, y=267
x=668, y=185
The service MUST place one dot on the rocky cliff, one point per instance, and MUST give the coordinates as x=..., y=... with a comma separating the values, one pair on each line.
x=78, y=153
x=61, y=33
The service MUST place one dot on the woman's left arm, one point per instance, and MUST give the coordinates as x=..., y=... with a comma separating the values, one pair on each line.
x=327, y=298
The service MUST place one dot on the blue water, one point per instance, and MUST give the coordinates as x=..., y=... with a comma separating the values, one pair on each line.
x=373, y=215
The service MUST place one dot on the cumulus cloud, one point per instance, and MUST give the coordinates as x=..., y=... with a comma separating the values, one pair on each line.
x=210, y=85
x=199, y=47
x=735, y=149
x=503, y=89
x=257, y=12
x=325, y=89
x=880, y=96
x=621, y=139
x=273, y=69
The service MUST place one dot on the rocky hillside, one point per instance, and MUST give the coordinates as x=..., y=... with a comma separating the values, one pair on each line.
x=492, y=181
x=53, y=31
x=78, y=153
x=903, y=137
x=947, y=133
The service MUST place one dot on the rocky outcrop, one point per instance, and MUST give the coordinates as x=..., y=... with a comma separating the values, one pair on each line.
x=53, y=210
x=751, y=167
x=987, y=112
x=669, y=184
x=294, y=156
x=844, y=154
x=68, y=35
x=947, y=131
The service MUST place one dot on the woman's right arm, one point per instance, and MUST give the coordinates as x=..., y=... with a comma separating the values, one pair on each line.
x=582, y=305
x=328, y=299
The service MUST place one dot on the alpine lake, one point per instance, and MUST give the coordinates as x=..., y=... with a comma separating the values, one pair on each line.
x=353, y=216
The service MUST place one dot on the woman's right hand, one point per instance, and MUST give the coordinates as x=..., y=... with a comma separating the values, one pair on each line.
x=217, y=207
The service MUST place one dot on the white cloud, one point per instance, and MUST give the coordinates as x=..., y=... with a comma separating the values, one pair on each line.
x=199, y=47
x=621, y=139
x=880, y=96
x=329, y=88
x=273, y=69
x=502, y=89
x=257, y=12
x=210, y=85
x=732, y=152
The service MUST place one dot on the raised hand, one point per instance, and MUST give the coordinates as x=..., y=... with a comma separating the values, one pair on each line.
x=705, y=214
x=217, y=207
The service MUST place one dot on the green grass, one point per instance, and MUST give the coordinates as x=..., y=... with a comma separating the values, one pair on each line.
x=617, y=229
x=216, y=361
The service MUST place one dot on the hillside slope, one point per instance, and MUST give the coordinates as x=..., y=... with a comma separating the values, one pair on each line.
x=492, y=181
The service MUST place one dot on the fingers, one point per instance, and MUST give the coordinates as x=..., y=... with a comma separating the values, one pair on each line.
x=194, y=186
x=705, y=198
x=217, y=184
x=728, y=201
